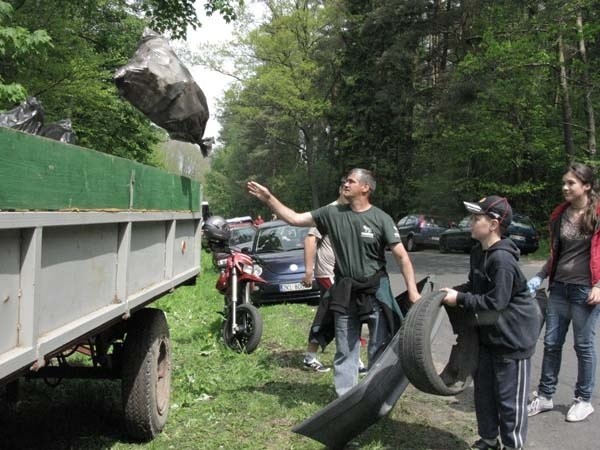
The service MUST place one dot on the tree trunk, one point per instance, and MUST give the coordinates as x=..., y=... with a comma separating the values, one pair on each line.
x=567, y=112
x=310, y=166
x=444, y=60
x=589, y=106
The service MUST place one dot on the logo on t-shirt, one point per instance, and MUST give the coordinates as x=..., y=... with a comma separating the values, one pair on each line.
x=366, y=232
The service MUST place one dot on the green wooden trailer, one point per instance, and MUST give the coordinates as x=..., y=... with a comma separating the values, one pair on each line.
x=87, y=241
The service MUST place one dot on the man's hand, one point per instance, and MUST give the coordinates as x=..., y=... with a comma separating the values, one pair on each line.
x=414, y=298
x=450, y=298
x=307, y=280
x=258, y=191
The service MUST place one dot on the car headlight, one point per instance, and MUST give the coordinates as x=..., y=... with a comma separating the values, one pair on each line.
x=253, y=270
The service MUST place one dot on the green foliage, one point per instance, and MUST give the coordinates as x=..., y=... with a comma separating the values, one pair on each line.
x=274, y=122
x=16, y=45
x=73, y=78
x=174, y=16
x=444, y=101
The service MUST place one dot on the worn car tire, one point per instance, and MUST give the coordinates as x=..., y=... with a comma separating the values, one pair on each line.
x=415, y=353
x=443, y=246
x=146, y=374
x=411, y=246
x=250, y=322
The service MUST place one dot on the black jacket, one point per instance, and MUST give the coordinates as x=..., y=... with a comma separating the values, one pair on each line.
x=507, y=315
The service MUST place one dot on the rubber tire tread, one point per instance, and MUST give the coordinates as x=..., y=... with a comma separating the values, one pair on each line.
x=443, y=246
x=145, y=331
x=254, y=338
x=415, y=344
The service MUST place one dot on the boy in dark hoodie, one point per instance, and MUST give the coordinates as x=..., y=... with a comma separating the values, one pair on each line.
x=508, y=321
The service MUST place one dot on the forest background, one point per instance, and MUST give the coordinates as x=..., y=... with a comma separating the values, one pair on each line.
x=443, y=100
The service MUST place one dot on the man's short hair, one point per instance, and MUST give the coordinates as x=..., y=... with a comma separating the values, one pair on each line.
x=365, y=176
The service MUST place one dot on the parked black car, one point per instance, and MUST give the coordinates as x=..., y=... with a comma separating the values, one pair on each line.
x=521, y=231
x=458, y=237
x=417, y=230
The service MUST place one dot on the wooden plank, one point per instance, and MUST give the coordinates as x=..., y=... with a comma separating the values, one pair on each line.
x=42, y=174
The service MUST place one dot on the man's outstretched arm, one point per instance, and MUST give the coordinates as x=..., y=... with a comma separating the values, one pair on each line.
x=286, y=214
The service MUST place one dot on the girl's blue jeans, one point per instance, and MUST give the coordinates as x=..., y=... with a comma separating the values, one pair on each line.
x=566, y=304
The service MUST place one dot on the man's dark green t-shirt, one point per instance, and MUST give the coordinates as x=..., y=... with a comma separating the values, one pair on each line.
x=359, y=239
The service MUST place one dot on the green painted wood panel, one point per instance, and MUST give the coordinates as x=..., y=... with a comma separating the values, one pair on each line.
x=42, y=174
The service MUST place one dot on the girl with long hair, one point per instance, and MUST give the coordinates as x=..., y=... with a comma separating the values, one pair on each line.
x=573, y=271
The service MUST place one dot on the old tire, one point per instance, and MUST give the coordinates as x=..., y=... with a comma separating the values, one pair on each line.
x=415, y=348
x=411, y=246
x=250, y=326
x=444, y=246
x=146, y=375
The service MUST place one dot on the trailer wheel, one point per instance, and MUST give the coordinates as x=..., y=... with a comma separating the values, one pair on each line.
x=249, y=332
x=415, y=353
x=146, y=376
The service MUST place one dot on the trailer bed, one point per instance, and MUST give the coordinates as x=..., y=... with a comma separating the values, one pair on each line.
x=85, y=239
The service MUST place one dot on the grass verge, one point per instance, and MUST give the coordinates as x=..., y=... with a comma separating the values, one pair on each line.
x=224, y=400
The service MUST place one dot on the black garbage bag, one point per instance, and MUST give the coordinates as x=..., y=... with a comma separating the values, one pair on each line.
x=27, y=117
x=158, y=84
x=60, y=131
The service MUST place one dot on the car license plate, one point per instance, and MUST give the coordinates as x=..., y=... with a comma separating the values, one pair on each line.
x=435, y=238
x=289, y=287
x=515, y=237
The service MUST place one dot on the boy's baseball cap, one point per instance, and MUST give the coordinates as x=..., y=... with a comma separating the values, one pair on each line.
x=493, y=206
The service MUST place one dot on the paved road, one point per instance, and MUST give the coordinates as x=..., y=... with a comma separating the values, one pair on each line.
x=549, y=430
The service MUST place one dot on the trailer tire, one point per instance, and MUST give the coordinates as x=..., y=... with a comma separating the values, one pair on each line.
x=146, y=375
x=415, y=353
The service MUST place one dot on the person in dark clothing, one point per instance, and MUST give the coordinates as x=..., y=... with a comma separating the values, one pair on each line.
x=508, y=321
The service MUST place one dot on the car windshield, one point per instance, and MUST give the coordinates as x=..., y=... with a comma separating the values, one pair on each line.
x=279, y=239
x=465, y=223
x=521, y=221
x=242, y=235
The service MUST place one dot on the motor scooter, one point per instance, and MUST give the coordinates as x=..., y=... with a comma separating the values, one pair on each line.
x=242, y=323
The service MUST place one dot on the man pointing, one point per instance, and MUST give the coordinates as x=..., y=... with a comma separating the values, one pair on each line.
x=359, y=233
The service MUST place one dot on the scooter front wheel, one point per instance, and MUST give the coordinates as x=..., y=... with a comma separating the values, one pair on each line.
x=249, y=329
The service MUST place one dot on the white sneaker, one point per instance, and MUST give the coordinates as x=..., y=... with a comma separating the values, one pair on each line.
x=579, y=410
x=539, y=404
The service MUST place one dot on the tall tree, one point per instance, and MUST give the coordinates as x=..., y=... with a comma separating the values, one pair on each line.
x=281, y=105
x=374, y=107
x=16, y=45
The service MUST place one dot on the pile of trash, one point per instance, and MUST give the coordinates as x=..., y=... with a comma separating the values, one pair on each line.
x=160, y=86
x=29, y=117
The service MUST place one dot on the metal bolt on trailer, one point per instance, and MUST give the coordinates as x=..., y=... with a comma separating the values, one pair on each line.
x=87, y=241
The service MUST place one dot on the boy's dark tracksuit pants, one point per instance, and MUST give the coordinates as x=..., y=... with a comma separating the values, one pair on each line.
x=501, y=389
